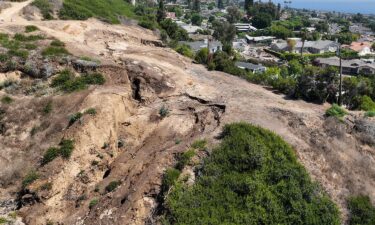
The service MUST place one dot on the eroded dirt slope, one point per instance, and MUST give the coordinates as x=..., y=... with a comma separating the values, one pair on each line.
x=128, y=141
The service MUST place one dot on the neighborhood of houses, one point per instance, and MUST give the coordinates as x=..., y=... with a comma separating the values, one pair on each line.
x=260, y=48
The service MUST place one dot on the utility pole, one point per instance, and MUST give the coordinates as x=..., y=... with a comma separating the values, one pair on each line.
x=340, y=84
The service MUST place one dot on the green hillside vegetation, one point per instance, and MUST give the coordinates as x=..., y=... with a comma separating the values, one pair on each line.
x=253, y=177
x=107, y=10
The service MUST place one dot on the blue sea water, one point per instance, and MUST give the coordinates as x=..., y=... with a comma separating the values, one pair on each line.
x=348, y=6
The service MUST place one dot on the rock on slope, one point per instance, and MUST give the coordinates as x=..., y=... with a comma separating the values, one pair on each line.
x=127, y=140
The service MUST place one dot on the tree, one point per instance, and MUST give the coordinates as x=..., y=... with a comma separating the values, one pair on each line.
x=220, y=4
x=196, y=6
x=373, y=46
x=248, y=4
x=196, y=19
x=304, y=35
x=224, y=31
x=234, y=14
x=161, y=11
x=262, y=20
x=202, y=56
x=291, y=44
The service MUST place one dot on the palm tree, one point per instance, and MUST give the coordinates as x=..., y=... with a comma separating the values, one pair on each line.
x=304, y=35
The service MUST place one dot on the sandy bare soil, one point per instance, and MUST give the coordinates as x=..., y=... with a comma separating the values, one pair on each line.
x=141, y=79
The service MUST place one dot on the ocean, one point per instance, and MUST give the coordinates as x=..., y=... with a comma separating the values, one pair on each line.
x=347, y=6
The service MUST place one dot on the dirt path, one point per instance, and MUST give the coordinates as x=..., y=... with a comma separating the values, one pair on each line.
x=11, y=15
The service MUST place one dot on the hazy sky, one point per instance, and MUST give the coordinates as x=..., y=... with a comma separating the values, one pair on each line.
x=353, y=6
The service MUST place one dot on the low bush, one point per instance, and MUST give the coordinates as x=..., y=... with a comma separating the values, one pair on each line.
x=93, y=203
x=185, y=50
x=57, y=43
x=65, y=149
x=336, y=111
x=44, y=7
x=66, y=81
x=31, y=28
x=6, y=100
x=109, y=11
x=25, y=38
x=163, y=111
x=90, y=111
x=23, y=54
x=170, y=177
x=54, y=51
x=112, y=186
x=370, y=114
x=75, y=117
x=46, y=186
x=366, y=104
x=184, y=159
x=3, y=220
x=30, y=178
x=199, y=144
x=361, y=211
x=47, y=108
x=50, y=155
x=253, y=177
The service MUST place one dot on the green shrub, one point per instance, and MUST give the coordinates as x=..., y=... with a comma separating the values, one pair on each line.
x=185, y=50
x=90, y=111
x=336, y=111
x=75, y=117
x=361, y=211
x=170, y=177
x=112, y=186
x=50, y=155
x=62, y=78
x=199, y=144
x=184, y=159
x=370, y=114
x=46, y=186
x=31, y=28
x=57, y=43
x=24, y=38
x=109, y=11
x=163, y=111
x=30, y=46
x=44, y=7
x=148, y=24
x=253, y=177
x=366, y=104
x=67, y=82
x=19, y=53
x=47, y=108
x=6, y=100
x=93, y=203
x=30, y=178
x=4, y=57
x=54, y=51
x=3, y=220
x=66, y=148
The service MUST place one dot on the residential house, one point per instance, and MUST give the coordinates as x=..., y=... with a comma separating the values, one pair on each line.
x=198, y=45
x=244, y=27
x=313, y=47
x=239, y=45
x=363, y=48
x=349, y=67
x=251, y=67
x=191, y=29
x=260, y=39
x=360, y=29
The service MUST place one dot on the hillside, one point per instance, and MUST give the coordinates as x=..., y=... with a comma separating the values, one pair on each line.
x=127, y=131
